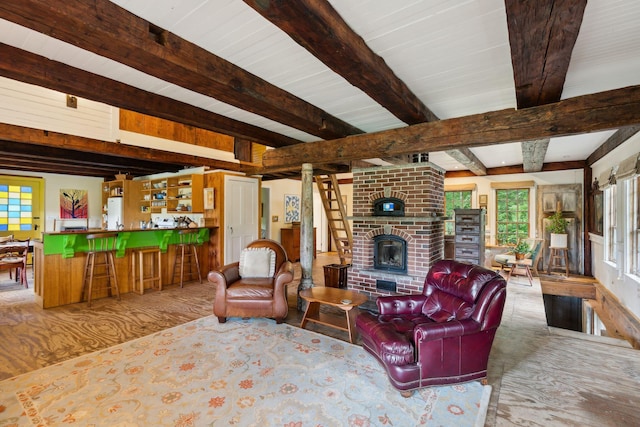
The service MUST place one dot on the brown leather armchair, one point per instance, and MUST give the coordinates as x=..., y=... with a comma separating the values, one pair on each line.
x=253, y=296
x=441, y=336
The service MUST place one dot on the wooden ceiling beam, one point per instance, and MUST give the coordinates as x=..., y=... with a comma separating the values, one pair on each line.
x=106, y=29
x=595, y=112
x=316, y=26
x=518, y=169
x=542, y=35
x=43, y=138
x=533, y=154
x=63, y=158
x=613, y=142
x=466, y=157
x=37, y=70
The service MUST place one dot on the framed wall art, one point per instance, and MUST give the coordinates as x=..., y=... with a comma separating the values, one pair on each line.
x=209, y=198
x=74, y=204
x=291, y=208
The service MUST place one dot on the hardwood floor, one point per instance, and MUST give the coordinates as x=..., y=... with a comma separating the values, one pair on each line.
x=540, y=376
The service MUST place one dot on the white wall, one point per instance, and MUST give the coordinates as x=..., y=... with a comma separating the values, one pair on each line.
x=53, y=183
x=35, y=107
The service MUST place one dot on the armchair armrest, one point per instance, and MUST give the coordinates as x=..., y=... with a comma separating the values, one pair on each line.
x=435, y=331
x=284, y=275
x=226, y=275
x=401, y=304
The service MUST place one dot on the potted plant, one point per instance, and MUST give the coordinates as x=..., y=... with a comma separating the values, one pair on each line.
x=558, y=228
x=521, y=249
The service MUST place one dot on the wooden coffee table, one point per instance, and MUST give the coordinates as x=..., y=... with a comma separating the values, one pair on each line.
x=340, y=298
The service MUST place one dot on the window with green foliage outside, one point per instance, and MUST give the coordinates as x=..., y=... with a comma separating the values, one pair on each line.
x=454, y=200
x=512, y=215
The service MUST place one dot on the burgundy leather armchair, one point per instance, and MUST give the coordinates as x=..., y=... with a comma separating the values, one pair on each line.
x=442, y=336
x=253, y=296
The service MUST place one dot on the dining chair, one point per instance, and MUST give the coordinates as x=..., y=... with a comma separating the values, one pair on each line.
x=13, y=256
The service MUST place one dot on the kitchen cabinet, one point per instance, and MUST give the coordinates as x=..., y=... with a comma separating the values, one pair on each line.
x=130, y=192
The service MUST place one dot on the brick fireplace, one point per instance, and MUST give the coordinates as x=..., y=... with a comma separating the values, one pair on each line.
x=420, y=187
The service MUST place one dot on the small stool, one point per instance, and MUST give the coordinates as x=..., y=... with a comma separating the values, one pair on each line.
x=187, y=252
x=100, y=264
x=556, y=256
x=521, y=267
x=137, y=256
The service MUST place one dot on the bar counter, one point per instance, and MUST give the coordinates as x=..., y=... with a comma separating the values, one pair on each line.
x=59, y=261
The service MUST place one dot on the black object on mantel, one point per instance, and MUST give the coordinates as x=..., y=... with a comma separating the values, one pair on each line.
x=388, y=206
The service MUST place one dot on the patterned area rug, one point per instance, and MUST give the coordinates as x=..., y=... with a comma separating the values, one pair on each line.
x=243, y=372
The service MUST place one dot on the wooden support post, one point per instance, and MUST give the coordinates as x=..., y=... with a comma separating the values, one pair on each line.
x=306, y=232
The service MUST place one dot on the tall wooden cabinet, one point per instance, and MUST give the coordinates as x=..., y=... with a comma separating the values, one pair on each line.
x=469, y=240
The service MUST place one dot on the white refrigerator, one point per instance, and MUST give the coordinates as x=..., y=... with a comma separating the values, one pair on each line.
x=115, y=210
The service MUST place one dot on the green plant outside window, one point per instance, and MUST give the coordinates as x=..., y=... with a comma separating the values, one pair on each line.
x=454, y=200
x=512, y=215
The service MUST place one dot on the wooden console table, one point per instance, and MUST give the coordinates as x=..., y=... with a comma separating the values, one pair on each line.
x=290, y=239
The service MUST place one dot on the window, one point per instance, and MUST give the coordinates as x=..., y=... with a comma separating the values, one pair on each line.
x=610, y=205
x=634, y=226
x=512, y=215
x=454, y=200
x=16, y=207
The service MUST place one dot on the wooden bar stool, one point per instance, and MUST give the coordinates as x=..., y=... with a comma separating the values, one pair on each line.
x=556, y=258
x=155, y=277
x=100, y=264
x=187, y=254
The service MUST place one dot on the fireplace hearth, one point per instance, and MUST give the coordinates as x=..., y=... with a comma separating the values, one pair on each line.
x=390, y=253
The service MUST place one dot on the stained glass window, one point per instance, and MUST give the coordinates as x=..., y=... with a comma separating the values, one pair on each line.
x=16, y=207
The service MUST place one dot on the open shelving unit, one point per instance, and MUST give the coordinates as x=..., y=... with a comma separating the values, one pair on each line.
x=182, y=194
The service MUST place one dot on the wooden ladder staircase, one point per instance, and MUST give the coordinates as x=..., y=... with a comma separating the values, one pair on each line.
x=336, y=215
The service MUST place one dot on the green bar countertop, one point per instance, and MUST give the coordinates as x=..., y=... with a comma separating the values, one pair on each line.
x=67, y=243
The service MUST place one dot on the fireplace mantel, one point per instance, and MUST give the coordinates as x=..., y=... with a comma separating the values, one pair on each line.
x=388, y=219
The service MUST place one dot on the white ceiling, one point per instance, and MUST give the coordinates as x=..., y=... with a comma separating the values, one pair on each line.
x=453, y=54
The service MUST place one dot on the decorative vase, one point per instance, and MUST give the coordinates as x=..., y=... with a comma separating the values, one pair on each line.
x=519, y=256
x=558, y=241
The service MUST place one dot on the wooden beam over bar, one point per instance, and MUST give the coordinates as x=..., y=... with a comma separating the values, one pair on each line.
x=589, y=113
x=106, y=29
x=39, y=137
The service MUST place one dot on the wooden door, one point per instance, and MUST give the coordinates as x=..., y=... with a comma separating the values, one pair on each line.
x=241, y=214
